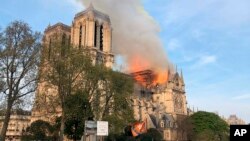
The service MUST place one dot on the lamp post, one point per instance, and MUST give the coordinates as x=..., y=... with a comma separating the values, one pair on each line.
x=75, y=119
x=85, y=115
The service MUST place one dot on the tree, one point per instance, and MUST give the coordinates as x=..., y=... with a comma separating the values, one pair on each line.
x=151, y=135
x=119, y=137
x=39, y=130
x=63, y=70
x=117, y=89
x=106, y=92
x=19, y=58
x=109, y=92
x=184, y=127
x=77, y=110
x=71, y=69
x=208, y=127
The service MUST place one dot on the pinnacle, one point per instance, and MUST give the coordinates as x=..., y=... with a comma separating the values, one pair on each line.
x=91, y=5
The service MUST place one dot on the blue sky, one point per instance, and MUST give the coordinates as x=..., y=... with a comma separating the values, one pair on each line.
x=208, y=39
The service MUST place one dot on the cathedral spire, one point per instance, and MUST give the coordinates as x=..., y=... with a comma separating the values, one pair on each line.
x=91, y=7
x=181, y=74
x=176, y=69
x=182, y=78
x=169, y=74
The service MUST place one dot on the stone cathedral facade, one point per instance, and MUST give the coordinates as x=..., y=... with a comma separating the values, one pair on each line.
x=161, y=105
x=90, y=29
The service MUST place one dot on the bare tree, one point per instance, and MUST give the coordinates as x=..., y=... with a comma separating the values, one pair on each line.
x=19, y=59
x=184, y=130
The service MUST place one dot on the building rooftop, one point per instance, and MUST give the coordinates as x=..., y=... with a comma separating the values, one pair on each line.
x=95, y=12
x=61, y=25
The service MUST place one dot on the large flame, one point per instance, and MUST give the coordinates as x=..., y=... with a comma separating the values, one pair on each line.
x=161, y=76
x=157, y=76
x=138, y=63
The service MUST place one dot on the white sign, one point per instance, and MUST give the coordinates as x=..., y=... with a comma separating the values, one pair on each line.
x=102, y=128
x=90, y=127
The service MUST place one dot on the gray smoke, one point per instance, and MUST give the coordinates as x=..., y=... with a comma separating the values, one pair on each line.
x=135, y=34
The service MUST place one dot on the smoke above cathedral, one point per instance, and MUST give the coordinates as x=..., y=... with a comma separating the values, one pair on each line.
x=135, y=35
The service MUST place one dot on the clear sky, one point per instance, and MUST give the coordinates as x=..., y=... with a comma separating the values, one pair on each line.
x=208, y=39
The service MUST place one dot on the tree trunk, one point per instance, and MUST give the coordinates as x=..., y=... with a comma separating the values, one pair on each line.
x=6, y=122
x=62, y=121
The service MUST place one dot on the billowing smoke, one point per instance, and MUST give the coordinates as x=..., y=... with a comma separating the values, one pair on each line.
x=135, y=34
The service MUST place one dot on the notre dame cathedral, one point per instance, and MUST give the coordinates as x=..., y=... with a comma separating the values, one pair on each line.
x=90, y=29
x=161, y=105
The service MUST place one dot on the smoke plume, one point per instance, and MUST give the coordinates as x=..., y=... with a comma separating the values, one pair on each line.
x=135, y=34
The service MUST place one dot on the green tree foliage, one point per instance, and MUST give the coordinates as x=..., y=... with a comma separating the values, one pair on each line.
x=39, y=130
x=119, y=88
x=126, y=136
x=151, y=135
x=77, y=110
x=109, y=101
x=63, y=68
x=19, y=59
x=184, y=127
x=70, y=70
x=208, y=127
x=119, y=137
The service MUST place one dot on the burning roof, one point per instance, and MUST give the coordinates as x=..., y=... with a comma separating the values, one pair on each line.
x=148, y=78
x=144, y=77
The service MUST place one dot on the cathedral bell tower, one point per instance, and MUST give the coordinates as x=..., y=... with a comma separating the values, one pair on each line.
x=92, y=29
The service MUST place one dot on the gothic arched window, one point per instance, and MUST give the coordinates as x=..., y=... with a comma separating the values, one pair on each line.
x=69, y=40
x=162, y=124
x=49, y=53
x=95, y=36
x=64, y=47
x=101, y=38
x=63, y=39
x=80, y=36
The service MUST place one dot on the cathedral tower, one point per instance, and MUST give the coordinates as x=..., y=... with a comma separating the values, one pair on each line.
x=90, y=30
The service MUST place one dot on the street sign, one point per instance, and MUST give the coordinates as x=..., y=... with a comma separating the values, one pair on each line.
x=102, y=128
x=90, y=127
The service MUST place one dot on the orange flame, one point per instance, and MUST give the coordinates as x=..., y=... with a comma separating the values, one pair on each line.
x=139, y=128
x=161, y=77
x=139, y=63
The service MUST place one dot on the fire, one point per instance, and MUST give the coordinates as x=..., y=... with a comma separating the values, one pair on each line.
x=145, y=77
x=161, y=77
x=140, y=79
x=139, y=64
